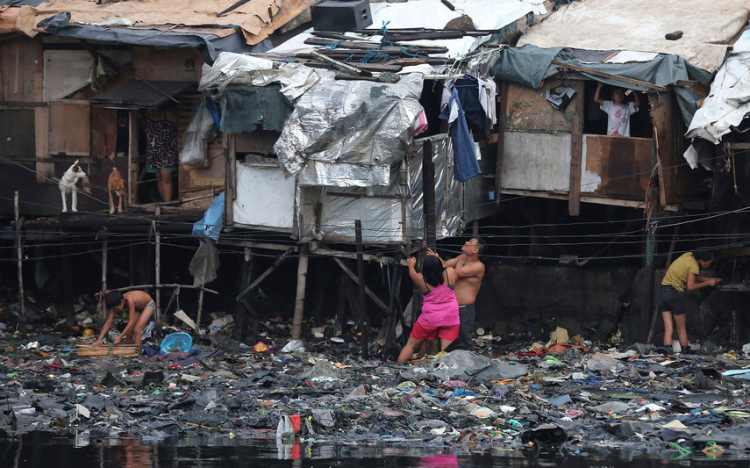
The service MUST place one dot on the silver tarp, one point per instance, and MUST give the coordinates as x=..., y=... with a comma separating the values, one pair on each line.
x=360, y=123
x=316, y=173
x=230, y=68
x=391, y=213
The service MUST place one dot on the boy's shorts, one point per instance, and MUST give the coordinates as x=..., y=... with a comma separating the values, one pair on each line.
x=420, y=332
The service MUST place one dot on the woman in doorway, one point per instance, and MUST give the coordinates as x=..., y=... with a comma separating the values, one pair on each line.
x=439, y=318
x=161, y=151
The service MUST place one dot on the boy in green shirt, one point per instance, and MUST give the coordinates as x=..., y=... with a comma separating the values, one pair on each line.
x=683, y=274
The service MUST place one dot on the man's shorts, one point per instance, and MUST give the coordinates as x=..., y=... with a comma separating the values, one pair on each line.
x=420, y=332
x=672, y=300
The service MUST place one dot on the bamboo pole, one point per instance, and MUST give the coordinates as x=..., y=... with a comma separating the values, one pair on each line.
x=157, y=263
x=22, y=317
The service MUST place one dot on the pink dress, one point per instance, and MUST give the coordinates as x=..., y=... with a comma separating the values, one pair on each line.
x=440, y=308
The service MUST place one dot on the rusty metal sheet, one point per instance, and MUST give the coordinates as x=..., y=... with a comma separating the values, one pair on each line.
x=624, y=164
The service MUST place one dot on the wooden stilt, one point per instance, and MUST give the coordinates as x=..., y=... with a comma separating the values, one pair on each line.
x=157, y=273
x=368, y=291
x=102, y=307
x=243, y=308
x=264, y=275
x=299, y=305
x=365, y=324
x=66, y=265
x=19, y=222
x=200, y=296
x=392, y=304
x=655, y=315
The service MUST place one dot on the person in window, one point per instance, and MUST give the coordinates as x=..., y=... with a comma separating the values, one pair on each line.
x=618, y=111
x=161, y=151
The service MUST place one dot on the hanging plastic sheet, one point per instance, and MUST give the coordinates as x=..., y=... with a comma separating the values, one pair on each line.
x=205, y=263
x=355, y=122
x=213, y=220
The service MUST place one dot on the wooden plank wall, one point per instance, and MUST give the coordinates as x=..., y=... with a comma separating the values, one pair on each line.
x=18, y=65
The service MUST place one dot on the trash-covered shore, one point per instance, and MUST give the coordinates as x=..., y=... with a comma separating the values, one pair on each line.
x=509, y=393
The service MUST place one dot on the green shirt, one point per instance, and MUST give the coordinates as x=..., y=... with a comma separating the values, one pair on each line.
x=679, y=270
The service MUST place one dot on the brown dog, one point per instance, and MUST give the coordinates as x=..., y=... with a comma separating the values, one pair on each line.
x=116, y=184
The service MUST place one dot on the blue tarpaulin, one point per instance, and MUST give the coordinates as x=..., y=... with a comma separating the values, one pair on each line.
x=213, y=220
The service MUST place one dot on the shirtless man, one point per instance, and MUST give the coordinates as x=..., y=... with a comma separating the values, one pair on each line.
x=469, y=272
x=140, y=307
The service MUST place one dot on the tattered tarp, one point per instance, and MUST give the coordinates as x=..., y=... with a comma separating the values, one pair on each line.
x=641, y=25
x=245, y=108
x=138, y=94
x=208, y=42
x=361, y=123
x=239, y=69
x=257, y=18
x=530, y=65
x=729, y=99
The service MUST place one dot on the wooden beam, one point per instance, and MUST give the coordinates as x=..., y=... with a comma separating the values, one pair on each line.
x=624, y=79
x=299, y=302
x=368, y=291
x=500, y=139
x=157, y=267
x=231, y=178
x=166, y=285
x=576, y=156
x=264, y=275
x=585, y=199
x=365, y=324
x=132, y=158
x=428, y=191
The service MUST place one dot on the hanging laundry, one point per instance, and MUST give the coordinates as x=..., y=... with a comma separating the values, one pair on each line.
x=488, y=99
x=465, y=165
x=476, y=117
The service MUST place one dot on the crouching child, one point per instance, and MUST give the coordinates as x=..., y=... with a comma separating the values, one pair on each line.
x=139, y=305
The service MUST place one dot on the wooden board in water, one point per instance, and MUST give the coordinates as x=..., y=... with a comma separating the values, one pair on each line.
x=119, y=350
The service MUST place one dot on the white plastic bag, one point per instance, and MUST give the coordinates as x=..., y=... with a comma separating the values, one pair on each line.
x=199, y=132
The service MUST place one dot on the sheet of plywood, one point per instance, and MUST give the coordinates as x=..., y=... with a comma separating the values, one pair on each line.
x=70, y=128
x=623, y=164
x=527, y=109
x=536, y=161
x=212, y=177
x=155, y=64
x=17, y=133
x=103, y=132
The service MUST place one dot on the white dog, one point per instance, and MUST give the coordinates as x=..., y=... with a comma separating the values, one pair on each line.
x=68, y=184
